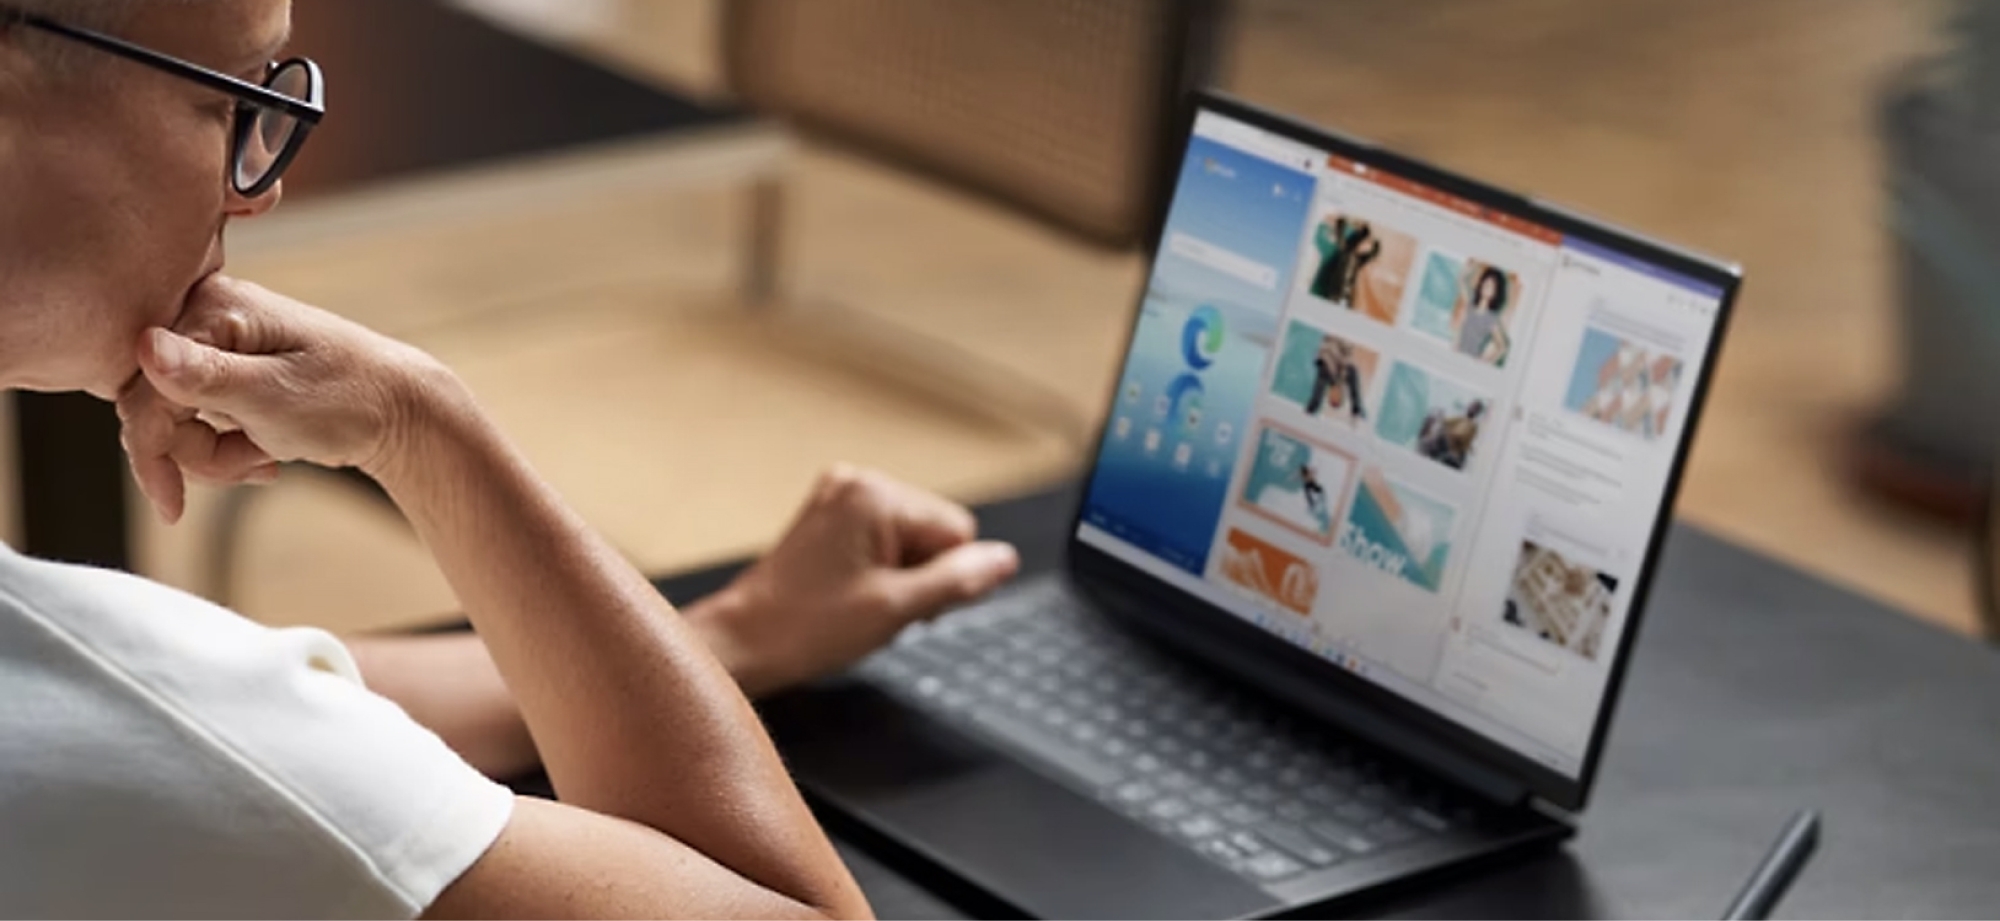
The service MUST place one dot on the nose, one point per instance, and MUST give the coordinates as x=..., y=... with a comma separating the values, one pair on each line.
x=241, y=206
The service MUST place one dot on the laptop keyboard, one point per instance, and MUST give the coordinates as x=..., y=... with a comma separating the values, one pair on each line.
x=1229, y=775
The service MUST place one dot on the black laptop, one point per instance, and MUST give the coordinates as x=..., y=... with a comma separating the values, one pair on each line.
x=1356, y=570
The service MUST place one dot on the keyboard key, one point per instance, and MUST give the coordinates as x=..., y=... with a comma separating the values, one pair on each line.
x=1198, y=826
x=1343, y=835
x=1297, y=843
x=1248, y=843
x=1271, y=866
x=1221, y=851
x=1174, y=780
x=1429, y=819
x=1242, y=813
x=1135, y=792
x=1169, y=809
x=1261, y=794
x=1292, y=810
x=1391, y=831
x=1357, y=812
x=1146, y=763
x=1321, y=793
x=1073, y=759
x=1207, y=797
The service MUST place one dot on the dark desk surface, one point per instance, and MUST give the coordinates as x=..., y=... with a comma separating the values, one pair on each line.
x=1755, y=690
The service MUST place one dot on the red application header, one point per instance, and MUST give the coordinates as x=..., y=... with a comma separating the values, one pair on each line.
x=1445, y=200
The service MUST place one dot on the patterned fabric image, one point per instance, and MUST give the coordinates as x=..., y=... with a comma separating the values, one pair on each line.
x=1565, y=604
x=1623, y=385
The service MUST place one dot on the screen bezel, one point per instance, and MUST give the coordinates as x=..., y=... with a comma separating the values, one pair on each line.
x=1213, y=633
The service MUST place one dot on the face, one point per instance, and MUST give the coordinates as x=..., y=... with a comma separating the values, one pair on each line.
x=114, y=175
x=1489, y=292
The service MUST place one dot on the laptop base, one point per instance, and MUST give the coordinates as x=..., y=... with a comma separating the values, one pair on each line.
x=995, y=828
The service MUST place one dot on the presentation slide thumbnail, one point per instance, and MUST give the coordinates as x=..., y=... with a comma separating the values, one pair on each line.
x=1363, y=265
x=1399, y=531
x=1269, y=571
x=1328, y=377
x=1565, y=603
x=1432, y=415
x=1623, y=384
x=1468, y=305
x=1297, y=483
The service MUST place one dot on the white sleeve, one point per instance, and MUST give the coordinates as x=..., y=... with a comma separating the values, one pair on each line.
x=162, y=756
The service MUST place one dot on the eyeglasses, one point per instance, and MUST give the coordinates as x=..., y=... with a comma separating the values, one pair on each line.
x=272, y=119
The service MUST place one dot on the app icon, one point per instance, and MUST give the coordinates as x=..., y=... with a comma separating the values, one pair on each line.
x=1121, y=428
x=1223, y=432
x=1132, y=392
x=1183, y=452
x=1152, y=440
x=1161, y=406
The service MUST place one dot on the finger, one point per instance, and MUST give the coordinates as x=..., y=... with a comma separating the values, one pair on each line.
x=223, y=312
x=192, y=374
x=217, y=457
x=926, y=523
x=160, y=482
x=147, y=424
x=952, y=578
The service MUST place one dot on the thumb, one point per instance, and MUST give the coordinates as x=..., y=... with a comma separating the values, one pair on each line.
x=192, y=373
x=952, y=578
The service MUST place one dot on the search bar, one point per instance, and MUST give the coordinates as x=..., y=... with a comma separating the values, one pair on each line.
x=1228, y=262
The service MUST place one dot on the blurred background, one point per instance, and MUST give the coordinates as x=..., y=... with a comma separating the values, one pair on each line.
x=714, y=271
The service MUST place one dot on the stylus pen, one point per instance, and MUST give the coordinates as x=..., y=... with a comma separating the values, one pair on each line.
x=1781, y=865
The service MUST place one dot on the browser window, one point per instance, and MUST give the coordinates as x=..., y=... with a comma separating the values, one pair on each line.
x=1422, y=438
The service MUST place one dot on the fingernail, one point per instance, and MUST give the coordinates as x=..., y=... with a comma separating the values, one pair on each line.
x=169, y=352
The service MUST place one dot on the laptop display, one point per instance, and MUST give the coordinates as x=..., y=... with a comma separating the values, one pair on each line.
x=1427, y=439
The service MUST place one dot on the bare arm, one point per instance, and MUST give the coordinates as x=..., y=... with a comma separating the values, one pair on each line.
x=865, y=556
x=657, y=756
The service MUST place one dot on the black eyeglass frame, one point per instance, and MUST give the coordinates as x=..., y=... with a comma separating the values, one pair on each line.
x=247, y=94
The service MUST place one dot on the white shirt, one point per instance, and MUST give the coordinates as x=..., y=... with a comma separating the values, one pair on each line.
x=161, y=756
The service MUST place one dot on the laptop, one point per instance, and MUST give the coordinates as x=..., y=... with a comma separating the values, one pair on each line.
x=1355, y=573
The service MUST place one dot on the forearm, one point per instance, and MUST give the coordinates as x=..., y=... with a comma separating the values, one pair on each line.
x=631, y=715
x=449, y=683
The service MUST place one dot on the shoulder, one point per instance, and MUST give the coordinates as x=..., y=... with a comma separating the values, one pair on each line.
x=208, y=763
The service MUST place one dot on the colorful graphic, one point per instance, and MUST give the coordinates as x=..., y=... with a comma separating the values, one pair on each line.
x=1437, y=294
x=1623, y=385
x=1263, y=568
x=1489, y=298
x=1397, y=530
x=1564, y=603
x=1326, y=375
x=1297, y=483
x=1197, y=358
x=1362, y=265
x=1431, y=415
x=1468, y=305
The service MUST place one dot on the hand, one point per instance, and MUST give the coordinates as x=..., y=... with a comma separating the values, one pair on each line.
x=866, y=556
x=248, y=378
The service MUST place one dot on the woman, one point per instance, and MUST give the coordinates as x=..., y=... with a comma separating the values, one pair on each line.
x=1481, y=332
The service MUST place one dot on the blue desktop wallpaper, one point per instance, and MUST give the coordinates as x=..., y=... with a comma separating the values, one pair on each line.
x=1197, y=355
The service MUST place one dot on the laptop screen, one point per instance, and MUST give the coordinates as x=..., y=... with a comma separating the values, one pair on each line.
x=1426, y=440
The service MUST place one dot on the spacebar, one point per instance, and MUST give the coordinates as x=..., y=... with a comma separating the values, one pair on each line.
x=1092, y=771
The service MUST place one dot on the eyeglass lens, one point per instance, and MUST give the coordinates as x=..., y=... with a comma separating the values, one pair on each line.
x=261, y=143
